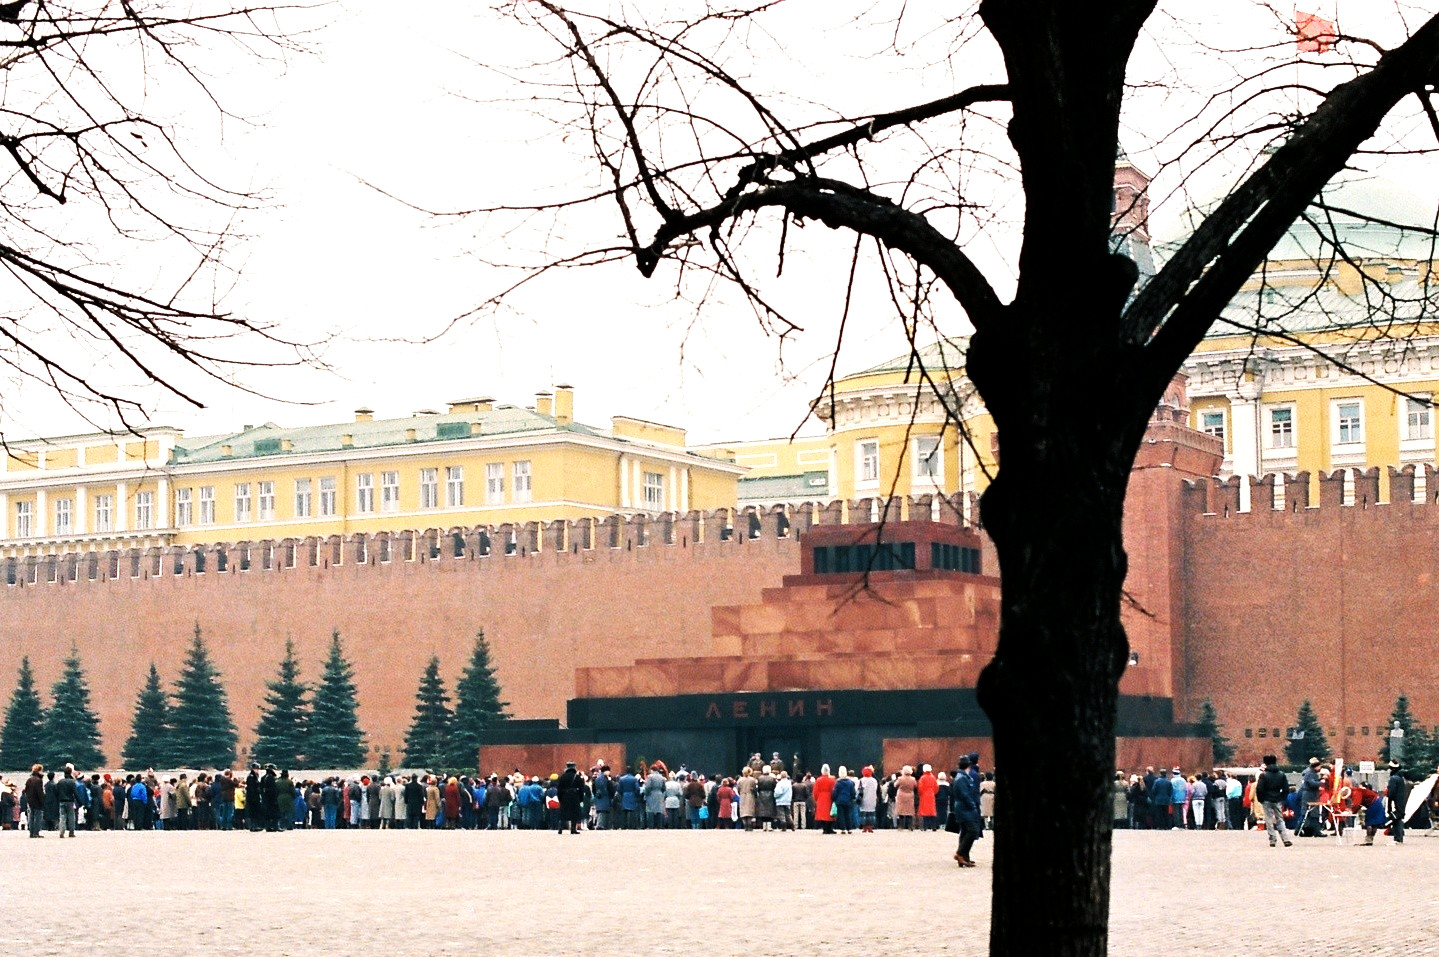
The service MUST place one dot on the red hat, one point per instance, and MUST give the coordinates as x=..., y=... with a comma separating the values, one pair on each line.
x=868, y=772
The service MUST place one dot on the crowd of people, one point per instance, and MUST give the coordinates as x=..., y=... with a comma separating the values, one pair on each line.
x=1314, y=806
x=763, y=796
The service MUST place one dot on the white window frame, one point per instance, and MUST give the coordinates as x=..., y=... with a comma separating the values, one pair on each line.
x=1272, y=432
x=389, y=491
x=207, y=505
x=243, y=512
x=104, y=513
x=454, y=486
x=866, y=451
x=928, y=463
x=64, y=516
x=495, y=483
x=429, y=488
x=1343, y=434
x=365, y=493
x=327, y=496
x=24, y=519
x=1222, y=432
x=523, y=487
x=1418, y=419
x=304, y=500
x=144, y=510
x=184, y=508
x=266, y=500
x=654, y=491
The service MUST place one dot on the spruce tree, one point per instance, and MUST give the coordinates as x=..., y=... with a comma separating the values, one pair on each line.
x=149, y=743
x=1209, y=724
x=477, y=706
x=1416, y=751
x=1308, y=739
x=284, y=717
x=202, y=731
x=428, y=740
x=335, y=739
x=72, y=729
x=22, y=741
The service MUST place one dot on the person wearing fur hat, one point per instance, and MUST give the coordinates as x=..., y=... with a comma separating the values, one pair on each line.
x=1396, y=796
x=964, y=811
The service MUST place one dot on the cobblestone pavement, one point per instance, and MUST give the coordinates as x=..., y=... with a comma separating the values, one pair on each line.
x=672, y=892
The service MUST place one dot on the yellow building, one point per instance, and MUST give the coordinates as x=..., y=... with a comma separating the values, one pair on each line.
x=1329, y=360
x=480, y=463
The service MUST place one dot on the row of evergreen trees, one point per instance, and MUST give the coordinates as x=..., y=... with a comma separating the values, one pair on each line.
x=1308, y=740
x=299, y=725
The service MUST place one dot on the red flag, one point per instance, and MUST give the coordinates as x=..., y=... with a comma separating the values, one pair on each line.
x=1315, y=34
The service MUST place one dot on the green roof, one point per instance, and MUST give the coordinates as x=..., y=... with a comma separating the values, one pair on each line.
x=267, y=439
x=940, y=356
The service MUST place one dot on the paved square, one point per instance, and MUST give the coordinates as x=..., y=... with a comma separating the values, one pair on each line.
x=678, y=892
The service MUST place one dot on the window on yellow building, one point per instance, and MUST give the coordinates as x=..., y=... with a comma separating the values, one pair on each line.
x=23, y=520
x=267, y=501
x=365, y=492
x=207, y=505
x=928, y=458
x=242, y=501
x=1418, y=423
x=866, y=465
x=327, y=496
x=429, y=488
x=495, y=483
x=64, y=512
x=303, y=503
x=144, y=510
x=522, y=482
x=389, y=491
x=1348, y=422
x=1212, y=423
x=655, y=491
x=454, y=486
x=1281, y=427
x=104, y=513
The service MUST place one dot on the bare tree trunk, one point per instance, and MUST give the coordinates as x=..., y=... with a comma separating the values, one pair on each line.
x=1051, y=692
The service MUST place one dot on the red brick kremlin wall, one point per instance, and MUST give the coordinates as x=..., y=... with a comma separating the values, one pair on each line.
x=544, y=614
x=1335, y=603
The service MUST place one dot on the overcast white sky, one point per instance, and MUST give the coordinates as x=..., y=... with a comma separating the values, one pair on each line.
x=384, y=99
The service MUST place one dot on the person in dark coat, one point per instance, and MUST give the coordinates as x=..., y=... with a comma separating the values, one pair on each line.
x=1270, y=790
x=628, y=789
x=604, y=798
x=572, y=792
x=1396, y=796
x=269, y=800
x=964, y=809
x=253, y=814
x=35, y=800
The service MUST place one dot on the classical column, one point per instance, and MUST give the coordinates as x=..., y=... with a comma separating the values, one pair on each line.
x=672, y=490
x=162, y=504
x=685, y=490
x=4, y=515
x=624, y=481
x=118, y=518
x=42, y=503
x=1244, y=435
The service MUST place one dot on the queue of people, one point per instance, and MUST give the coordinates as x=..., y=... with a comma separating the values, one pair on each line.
x=761, y=797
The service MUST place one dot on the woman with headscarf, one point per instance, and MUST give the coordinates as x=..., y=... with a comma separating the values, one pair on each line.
x=764, y=806
x=845, y=793
x=928, y=787
x=452, y=803
x=904, y=792
x=824, y=799
x=868, y=801
x=746, y=787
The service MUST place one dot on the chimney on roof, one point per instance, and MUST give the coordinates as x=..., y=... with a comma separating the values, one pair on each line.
x=287, y=445
x=544, y=403
x=483, y=404
x=347, y=441
x=564, y=404
x=363, y=414
x=409, y=435
x=226, y=451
